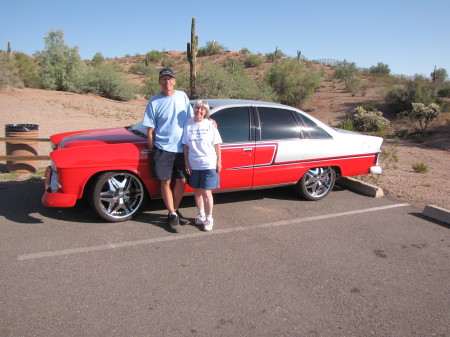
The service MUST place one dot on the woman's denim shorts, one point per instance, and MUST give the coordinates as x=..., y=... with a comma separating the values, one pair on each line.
x=206, y=179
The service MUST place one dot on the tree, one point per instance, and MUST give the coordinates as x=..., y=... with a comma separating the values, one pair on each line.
x=424, y=114
x=61, y=66
x=293, y=85
x=98, y=59
x=439, y=75
x=345, y=70
x=381, y=69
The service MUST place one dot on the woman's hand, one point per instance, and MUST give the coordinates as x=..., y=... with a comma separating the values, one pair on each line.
x=188, y=168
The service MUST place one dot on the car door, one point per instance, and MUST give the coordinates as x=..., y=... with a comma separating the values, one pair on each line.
x=235, y=125
x=276, y=128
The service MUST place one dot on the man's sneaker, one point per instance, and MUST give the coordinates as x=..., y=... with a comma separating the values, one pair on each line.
x=200, y=220
x=174, y=223
x=183, y=221
x=209, y=223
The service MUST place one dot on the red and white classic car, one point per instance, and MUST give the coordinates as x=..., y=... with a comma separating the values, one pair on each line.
x=264, y=145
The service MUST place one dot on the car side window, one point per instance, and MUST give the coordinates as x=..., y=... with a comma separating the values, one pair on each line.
x=312, y=129
x=233, y=124
x=277, y=124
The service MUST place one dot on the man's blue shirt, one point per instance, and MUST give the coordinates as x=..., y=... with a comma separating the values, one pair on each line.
x=167, y=115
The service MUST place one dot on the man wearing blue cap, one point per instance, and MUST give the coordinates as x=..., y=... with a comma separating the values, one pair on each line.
x=165, y=116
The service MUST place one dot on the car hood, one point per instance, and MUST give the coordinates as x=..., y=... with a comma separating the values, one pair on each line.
x=97, y=137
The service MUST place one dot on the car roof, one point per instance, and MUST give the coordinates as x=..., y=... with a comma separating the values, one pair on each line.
x=221, y=103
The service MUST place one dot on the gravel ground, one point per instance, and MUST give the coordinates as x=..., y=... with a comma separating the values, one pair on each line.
x=56, y=112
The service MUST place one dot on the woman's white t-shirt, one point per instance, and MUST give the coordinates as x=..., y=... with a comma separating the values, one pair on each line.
x=201, y=137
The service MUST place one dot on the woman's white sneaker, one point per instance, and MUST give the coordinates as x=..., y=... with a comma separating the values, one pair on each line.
x=200, y=220
x=209, y=223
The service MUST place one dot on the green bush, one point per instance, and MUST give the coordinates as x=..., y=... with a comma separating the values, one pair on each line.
x=422, y=114
x=444, y=92
x=142, y=69
x=368, y=120
x=293, y=84
x=353, y=86
x=380, y=68
x=27, y=70
x=253, y=60
x=153, y=56
x=232, y=65
x=216, y=82
x=345, y=70
x=108, y=81
x=8, y=74
x=416, y=91
x=61, y=66
x=97, y=59
x=420, y=167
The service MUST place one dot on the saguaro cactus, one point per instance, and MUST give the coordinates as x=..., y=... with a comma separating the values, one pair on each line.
x=192, y=49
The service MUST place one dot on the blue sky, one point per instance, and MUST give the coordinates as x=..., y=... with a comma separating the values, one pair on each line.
x=410, y=36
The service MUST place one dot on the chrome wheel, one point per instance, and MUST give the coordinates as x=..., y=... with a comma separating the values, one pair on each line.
x=316, y=183
x=117, y=196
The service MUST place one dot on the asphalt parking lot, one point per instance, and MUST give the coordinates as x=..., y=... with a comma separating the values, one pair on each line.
x=274, y=265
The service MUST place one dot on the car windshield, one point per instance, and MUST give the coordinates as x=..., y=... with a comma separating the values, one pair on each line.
x=138, y=129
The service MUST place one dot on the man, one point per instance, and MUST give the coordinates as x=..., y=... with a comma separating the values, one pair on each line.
x=165, y=116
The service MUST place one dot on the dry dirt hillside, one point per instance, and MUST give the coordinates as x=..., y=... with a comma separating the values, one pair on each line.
x=56, y=112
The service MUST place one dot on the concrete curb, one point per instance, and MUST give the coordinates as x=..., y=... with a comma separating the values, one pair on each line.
x=437, y=213
x=358, y=186
x=361, y=187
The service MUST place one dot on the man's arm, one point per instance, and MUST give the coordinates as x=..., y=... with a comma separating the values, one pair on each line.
x=150, y=135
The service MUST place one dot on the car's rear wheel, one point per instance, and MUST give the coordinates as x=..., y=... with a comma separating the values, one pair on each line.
x=117, y=196
x=316, y=183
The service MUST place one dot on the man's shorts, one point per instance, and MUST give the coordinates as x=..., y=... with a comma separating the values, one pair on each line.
x=167, y=165
x=206, y=179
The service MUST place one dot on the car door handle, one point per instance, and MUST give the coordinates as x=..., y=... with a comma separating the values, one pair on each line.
x=247, y=149
x=146, y=151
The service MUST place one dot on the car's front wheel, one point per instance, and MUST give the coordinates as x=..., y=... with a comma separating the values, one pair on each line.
x=117, y=196
x=316, y=183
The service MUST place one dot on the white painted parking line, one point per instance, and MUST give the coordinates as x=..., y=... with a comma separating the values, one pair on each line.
x=173, y=237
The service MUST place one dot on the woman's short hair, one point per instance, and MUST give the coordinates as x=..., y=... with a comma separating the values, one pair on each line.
x=203, y=104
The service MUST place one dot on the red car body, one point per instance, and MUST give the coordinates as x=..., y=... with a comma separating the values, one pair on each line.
x=310, y=155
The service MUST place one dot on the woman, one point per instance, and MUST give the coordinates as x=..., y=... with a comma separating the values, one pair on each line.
x=201, y=145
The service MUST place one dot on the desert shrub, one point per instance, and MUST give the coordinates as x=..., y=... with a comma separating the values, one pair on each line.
x=368, y=120
x=216, y=82
x=276, y=55
x=416, y=91
x=345, y=70
x=422, y=114
x=293, y=84
x=252, y=61
x=353, y=86
x=232, y=65
x=439, y=75
x=168, y=63
x=142, y=69
x=380, y=68
x=108, y=81
x=420, y=167
x=245, y=51
x=61, y=66
x=211, y=48
x=153, y=56
x=8, y=74
x=444, y=92
x=97, y=59
x=27, y=70
x=346, y=124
